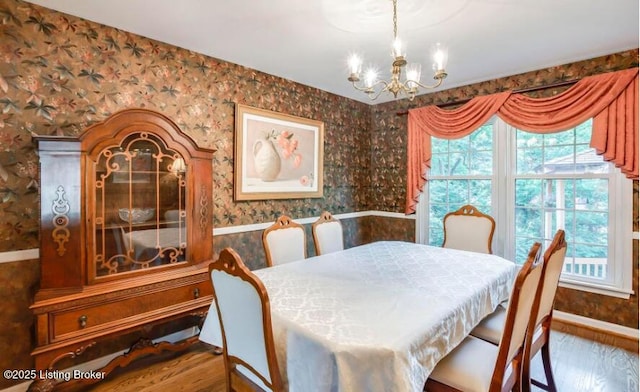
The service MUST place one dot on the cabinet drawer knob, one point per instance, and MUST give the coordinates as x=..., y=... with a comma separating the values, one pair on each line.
x=82, y=320
x=196, y=293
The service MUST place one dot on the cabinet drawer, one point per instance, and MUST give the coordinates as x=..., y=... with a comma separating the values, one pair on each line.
x=92, y=317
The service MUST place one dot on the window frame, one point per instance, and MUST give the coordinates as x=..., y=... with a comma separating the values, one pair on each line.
x=620, y=227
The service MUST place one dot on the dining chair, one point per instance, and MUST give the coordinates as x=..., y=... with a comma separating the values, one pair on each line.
x=327, y=234
x=492, y=326
x=244, y=313
x=468, y=229
x=284, y=242
x=476, y=365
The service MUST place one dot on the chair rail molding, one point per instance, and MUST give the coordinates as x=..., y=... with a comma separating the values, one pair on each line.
x=32, y=254
x=19, y=255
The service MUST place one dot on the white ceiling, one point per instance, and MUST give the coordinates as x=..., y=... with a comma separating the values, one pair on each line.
x=309, y=41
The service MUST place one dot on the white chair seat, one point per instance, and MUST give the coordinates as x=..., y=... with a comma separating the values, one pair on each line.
x=491, y=327
x=469, y=367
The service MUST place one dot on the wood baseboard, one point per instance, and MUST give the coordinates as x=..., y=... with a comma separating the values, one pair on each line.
x=621, y=340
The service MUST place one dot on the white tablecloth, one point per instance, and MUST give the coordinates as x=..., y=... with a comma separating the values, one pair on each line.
x=377, y=317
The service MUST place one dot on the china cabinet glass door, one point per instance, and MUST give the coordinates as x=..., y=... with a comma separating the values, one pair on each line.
x=140, y=206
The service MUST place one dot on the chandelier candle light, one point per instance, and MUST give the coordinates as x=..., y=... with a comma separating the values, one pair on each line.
x=373, y=87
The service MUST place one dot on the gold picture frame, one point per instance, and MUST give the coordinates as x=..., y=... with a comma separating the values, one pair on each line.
x=277, y=156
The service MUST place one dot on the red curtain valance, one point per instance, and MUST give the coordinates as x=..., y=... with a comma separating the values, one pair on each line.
x=611, y=99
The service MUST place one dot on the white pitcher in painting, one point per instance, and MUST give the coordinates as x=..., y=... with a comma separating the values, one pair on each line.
x=266, y=159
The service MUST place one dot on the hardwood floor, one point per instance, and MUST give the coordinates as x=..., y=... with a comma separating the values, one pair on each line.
x=197, y=370
x=579, y=365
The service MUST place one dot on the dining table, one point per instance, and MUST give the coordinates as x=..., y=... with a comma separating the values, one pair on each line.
x=376, y=317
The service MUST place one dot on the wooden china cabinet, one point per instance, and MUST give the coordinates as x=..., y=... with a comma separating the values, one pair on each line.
x=126, y=237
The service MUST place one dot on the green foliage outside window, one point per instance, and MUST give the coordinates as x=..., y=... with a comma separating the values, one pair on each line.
x=558, y=182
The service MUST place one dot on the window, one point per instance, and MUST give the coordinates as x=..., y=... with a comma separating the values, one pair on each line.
x=461, y=173
x=533, y=185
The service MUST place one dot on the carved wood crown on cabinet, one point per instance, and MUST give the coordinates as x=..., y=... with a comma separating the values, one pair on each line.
x=126, y=233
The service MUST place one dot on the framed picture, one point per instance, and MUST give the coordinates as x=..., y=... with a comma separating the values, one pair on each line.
x=277, y=156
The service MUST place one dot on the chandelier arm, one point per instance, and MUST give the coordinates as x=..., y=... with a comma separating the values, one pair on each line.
x=373, y=97
x=427, y=86
x=371, y=89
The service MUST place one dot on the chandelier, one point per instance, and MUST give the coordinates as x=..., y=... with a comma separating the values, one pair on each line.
x=373, y=87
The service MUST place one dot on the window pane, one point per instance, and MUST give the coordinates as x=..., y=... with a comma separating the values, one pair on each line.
x=439, y=145
x=583, y=132
x=480, y=195
x=458, y=164
x=558, y=193
x=587, y=161
x=523, y=246
x=591, y=227
x=590, y=261
x=592, y=194
x=436, y=236
x=528, y=140
x=528, y=222
x=458, y=192
x=437, y=191
x=528, y=160
x=551, y=195
x=556, y=219
x=558, y=160
x=459, y=145
x=436, y=213
x=482, y=139
x=529, y=193
x=559, y=138
x=578, y=205
x=569, y=226
x=438, y=164
x=482, y=162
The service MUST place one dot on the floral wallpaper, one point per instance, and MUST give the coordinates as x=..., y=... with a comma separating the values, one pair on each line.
x=60, y=74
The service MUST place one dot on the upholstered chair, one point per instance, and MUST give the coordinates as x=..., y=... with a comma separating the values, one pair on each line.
x=244, y=313
x=468, y=229
x=491, y=328
x=284, y=242
x=327, y=234
x=476, y=365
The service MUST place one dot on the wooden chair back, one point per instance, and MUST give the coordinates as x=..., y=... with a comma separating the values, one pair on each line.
x=284, y=242
x=327, y=234
x=468, y=229
x=539, y=330
x=553, y=263
x=519, y=312
x=244, y=312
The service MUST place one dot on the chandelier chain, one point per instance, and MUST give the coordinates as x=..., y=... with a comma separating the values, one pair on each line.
x=395, y=19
